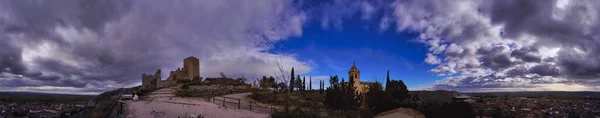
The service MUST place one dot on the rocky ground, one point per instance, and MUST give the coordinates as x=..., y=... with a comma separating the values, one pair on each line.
x=164, y=104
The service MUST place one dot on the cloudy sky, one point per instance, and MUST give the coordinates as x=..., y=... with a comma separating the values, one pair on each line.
x=91, y=46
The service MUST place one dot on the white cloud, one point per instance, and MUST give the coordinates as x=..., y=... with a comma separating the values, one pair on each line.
x=432, y=59
x=491, y=44
x=367, y=10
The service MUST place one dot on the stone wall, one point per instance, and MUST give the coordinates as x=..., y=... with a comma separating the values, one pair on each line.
x=178, y=74
x=151, y=81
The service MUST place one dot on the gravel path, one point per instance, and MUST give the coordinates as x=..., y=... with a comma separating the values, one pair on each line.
x=164, y=104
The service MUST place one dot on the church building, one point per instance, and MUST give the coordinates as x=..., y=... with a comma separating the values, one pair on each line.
x=354, y=73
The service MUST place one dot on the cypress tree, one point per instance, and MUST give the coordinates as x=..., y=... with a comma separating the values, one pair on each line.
x=298, y=83
x=320, y=84
x=310, y=83
x=387, y=82
x=354, y=99
x=304, y=83
x=292, y=81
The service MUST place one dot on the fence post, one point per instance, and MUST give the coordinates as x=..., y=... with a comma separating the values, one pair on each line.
x=120, y=108
x=250, y=105
x=223, y=101
x=239, y=104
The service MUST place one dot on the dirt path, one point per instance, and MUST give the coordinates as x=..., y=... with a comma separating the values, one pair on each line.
x=164, y=104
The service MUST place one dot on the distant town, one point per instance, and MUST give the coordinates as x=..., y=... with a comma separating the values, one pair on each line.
x=42, y=105
x=537, y=104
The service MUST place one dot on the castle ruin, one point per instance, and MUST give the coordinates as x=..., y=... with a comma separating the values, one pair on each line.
x=190, y=70
x=151, y=81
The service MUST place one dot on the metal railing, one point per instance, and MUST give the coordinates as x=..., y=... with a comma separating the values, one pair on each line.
x=110, y=112
x=238, y=103
x=224, y=100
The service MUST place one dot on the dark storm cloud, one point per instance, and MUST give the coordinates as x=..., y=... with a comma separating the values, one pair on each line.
x=545, y=70
x=577, y=29
x=495, y=58
x=577, y=66
x=97, y=45
x=40, y=16
x=36, y=20
x=11, y=59
x=527, y=54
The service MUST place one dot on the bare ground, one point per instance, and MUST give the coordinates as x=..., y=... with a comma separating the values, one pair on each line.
x=164, y=104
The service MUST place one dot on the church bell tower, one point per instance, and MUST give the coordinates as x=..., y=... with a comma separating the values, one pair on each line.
x=354, y=73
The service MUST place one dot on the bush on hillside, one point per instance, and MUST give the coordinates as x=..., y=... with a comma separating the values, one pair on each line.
x=185, y=86
x=184, y=81
x=296, y=113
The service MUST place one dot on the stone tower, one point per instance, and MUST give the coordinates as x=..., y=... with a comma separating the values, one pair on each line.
x=191, y=66
x=354, y=73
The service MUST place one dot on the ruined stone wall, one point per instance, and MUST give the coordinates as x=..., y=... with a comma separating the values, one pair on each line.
x=151, y=81
x=146, y=81
x=177, y=75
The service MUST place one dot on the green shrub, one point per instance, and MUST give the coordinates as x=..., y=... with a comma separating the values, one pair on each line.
x=299, y=99
x=184, y=81
x=185, y=86
x=143, y=92
x=198, y=83
x=296, y=113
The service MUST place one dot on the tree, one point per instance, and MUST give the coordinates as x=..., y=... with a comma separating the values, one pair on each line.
x=333, y=80
x=264, y=83
x=354, y=98
x=398, y=90
x=310, y=83
x=378, y=101
x=298, y=83
x=332, y=94
x=197, y=79
x=304, y=83
x=342, y=95
x=292, y=81
x=272, y=83
x=222, y=75
x=343, y=84
x=239, y=81
x=320, y=86
x=282, y=86
x=387, y=82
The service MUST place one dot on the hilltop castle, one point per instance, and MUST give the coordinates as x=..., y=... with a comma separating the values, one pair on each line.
x=190, y=71
x=354, y=73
